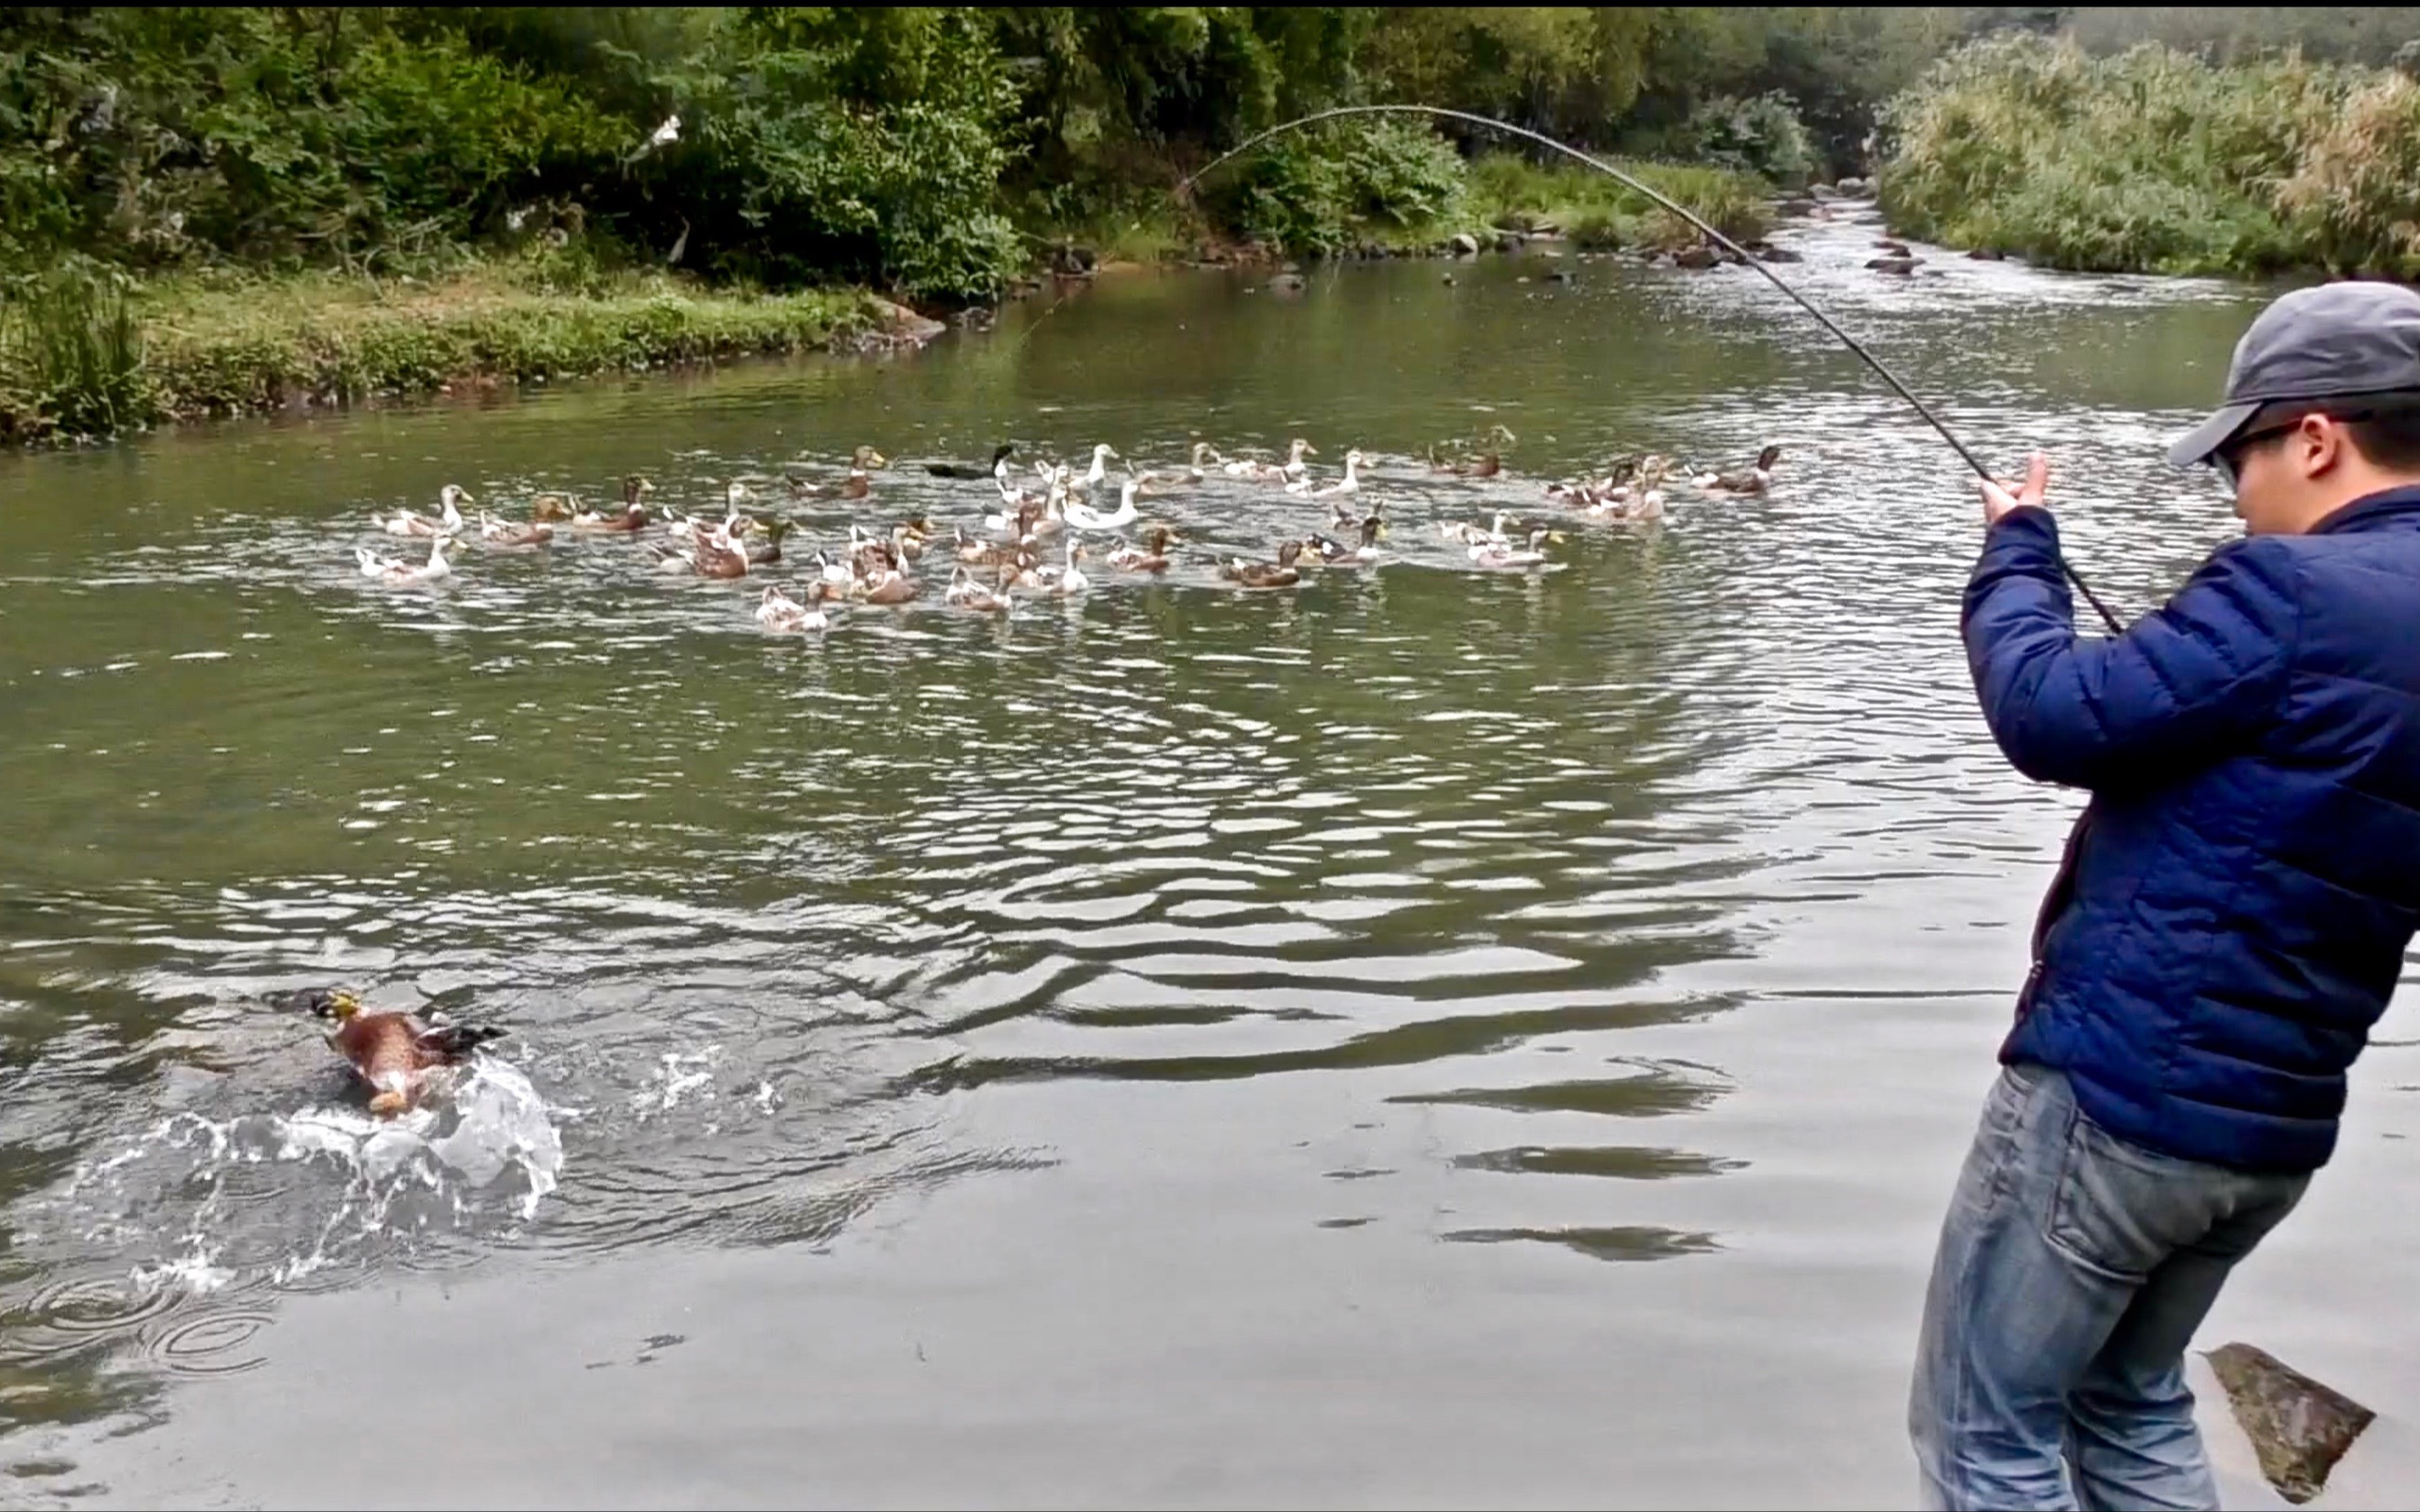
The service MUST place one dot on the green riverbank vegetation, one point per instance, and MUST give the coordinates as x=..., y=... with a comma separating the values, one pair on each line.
x=2157, y=159
x=208, y=210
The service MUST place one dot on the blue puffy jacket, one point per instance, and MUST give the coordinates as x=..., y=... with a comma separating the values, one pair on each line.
x=2232, y=911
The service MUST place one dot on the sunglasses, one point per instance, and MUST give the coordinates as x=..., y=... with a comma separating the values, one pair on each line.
x=2228, y=460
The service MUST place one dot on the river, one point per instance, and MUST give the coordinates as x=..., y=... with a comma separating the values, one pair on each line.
x=1427, y=1037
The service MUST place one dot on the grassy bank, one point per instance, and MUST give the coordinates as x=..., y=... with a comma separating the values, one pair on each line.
x=1600, y=213
x=86, y=356
x=2154, y=160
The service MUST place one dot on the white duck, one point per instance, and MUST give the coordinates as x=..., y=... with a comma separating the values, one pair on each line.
x=1504, y=554
x=1067, y=581
x=1085, y=518
x=1099, y=472
x=448, y=522
x=393, y=573
x=1271, y=472
x=966, y=590
x=780, y=612
x=1468, y=534
x=1350, y=484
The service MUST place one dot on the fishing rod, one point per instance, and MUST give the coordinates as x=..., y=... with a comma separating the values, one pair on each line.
x=1185, y=186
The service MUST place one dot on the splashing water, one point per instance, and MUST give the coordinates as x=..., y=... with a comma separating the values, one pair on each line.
x=435, y=1170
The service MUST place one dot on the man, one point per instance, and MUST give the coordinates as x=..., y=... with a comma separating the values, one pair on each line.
x=2228, y=920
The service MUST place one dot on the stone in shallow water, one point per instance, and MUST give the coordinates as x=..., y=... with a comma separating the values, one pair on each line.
x=2299, y=1428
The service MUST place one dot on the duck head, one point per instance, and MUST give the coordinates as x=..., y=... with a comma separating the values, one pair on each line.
x=866, y=456
x=634, y=488
x=1298, y=449
x=1765, y=459
x=334, y=1004
x=1289, y=553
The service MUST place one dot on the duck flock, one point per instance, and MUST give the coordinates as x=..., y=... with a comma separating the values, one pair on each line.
x=1032, y=537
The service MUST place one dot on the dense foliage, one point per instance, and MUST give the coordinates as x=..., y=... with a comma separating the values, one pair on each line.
x=938, y=152
x=2154, y=159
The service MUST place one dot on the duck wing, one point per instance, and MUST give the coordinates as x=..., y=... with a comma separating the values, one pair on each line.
x=448, y=1042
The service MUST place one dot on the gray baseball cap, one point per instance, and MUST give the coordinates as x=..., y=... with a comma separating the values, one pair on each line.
x=2320, y=343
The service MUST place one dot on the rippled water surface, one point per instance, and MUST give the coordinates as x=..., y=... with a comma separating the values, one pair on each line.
x=1427, y=1036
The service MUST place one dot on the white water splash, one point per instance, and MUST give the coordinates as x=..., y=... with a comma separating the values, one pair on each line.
x=427, y=1171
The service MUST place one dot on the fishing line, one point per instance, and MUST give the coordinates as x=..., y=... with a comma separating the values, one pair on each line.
x=1185, y=186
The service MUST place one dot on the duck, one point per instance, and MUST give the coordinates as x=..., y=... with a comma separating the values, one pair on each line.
x=1756, y=480
x=1154, y=482
x=510, y=537
x=770, y=552
x=1337, y=554
x=1066, y=581
x=883, y=583
x=1097, y=474
x=735, y=494
x=1085, y=518
x=1349, y=483
x=402, y=1058
x=779, y=612
x=856, y=484
x=633, y=516
x=1644, y=501
x=999, y=468
x=967, y=593
x=449, y=520
x=1505, y=554
x=1154, y=558
x=717, y=555
x=1279, y=574
x=1469, y=534
x=1274, y=472
x=395, y=573
x=551, y=508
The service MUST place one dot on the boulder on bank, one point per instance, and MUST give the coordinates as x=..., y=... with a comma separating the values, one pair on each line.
x=1701, y=255
x=1892, y=247
x=1463, y=245
x=1508, y=241
x=1779, y=254
x=1901, y=266
x=1986, y=255
x=904, y=325
x=1855, y=186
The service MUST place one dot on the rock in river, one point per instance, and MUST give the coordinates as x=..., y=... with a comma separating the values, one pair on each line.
x=2299, y=1428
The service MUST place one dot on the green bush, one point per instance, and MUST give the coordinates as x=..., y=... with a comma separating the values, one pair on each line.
x=1762, y=135
x=1325, y=189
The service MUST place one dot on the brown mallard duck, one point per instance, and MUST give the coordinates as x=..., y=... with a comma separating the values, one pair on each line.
x=632, y=517
x=506, y=536
x=1279, y=574
x=1756, y=480
x=398, y=1054
x=1153, y=558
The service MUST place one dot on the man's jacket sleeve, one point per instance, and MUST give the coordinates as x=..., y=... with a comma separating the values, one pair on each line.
x=2186, y=684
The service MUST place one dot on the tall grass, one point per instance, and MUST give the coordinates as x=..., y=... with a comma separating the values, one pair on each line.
x=2156, y=160
x=71, y=358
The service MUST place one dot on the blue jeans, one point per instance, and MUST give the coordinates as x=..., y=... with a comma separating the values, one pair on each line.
x=2072, y=1271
